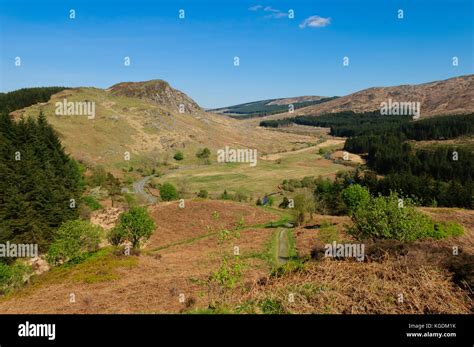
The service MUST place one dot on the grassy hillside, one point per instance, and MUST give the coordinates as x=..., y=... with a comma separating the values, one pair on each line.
x=149, y=130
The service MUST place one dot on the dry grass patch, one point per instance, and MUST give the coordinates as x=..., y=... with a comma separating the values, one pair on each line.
x=359, y=288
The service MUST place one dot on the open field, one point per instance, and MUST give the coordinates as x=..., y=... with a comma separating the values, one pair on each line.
x=262, y=179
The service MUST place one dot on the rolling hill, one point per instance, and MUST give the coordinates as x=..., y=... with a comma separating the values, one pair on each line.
x=446, y=97
x=150, y=120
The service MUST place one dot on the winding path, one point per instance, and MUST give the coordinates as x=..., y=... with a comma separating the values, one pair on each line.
x=138, y=189
x=283, y=247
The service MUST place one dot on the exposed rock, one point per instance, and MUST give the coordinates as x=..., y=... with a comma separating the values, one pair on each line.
x=39, y=265
x=157, y=91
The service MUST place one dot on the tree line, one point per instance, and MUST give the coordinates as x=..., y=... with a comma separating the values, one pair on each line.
x=439, y=175
x=41, y=185
x=368, y=124
x=26, y=97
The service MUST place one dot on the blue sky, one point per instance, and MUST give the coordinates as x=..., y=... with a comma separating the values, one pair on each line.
x=279, y=56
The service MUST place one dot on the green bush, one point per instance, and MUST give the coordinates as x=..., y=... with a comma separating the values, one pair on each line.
x=204, y=153
x=384, y=217
x=272, y=306
x=178, y=156
x=203, y=194
x=12, y=276
x=135, y=226
x=446, y=229
x=168, y=192
x=355, y=196
x=304, y=204
x=92, y=203
x=98, y=177
x=72, y=240
x=285, y=203
x=116, y=236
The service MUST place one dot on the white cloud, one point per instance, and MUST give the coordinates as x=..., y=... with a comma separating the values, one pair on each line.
x=255, y=8
x=272, y=12
x=270, y=9
x=277, y=15
x=315, y=22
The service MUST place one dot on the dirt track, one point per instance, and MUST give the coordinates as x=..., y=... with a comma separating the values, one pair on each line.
x=138, y=188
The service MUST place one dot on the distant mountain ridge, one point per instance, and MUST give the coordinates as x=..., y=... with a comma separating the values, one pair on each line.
x=269, y=106
x=446, y=97
x=151, y=119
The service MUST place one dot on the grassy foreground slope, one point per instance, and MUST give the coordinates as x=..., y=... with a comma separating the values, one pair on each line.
x=173, y=270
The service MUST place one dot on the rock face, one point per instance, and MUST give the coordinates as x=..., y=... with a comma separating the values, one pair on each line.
x=39, y=265
x=447, y=97
x=158, y=91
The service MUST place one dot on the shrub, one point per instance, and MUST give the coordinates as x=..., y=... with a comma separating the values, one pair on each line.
x=355, y=196
x=204, y=153
x=446, y=229
x=304, y=203
x=203, y=194
x=225, y=195
x=178, y=156
x=327, y=195
x=128, y=180
x=98, y=177
x=383, y=217
x=168, y=192
x=92, y=203
x=12, y=276
x=308, y=182
x=136, y=226
x=130, y=199
x=84, y=212
x=272, y=306
x=116, y=236
x=285, y=203
x=224, y=280
x=73, y=239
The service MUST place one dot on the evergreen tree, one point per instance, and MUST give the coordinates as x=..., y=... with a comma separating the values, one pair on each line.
x=40, y=184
